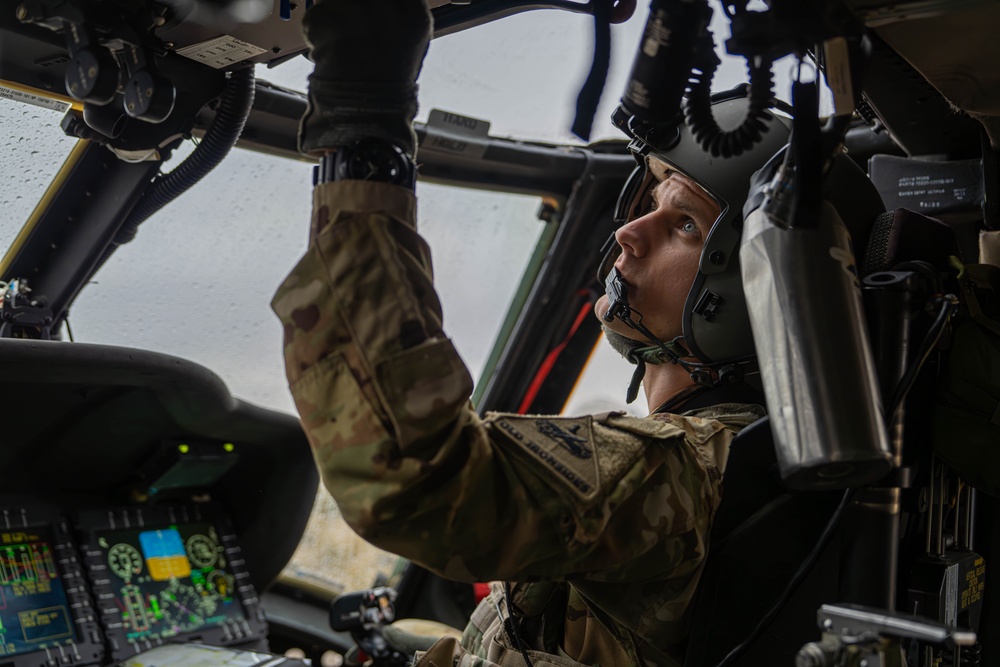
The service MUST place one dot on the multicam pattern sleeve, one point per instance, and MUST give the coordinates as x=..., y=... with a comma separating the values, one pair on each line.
x=383, y=397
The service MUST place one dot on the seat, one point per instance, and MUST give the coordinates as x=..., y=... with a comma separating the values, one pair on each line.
x=761, y=534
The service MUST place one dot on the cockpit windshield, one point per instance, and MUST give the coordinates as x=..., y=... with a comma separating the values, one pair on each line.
x=196, y=281
x=34, y=148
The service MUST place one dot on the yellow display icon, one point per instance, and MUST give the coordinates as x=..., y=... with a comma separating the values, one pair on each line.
x=164, y=568
x=165, y=555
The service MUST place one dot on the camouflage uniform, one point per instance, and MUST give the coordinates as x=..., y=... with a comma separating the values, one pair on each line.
x=617, y=508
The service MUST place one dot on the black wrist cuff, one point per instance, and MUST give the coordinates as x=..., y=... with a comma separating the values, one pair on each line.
x=340, y=114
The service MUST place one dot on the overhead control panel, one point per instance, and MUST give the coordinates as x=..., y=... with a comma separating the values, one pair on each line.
x=169, y=573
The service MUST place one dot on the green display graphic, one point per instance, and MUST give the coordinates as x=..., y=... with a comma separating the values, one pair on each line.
x=34, y=611
x=171, y=580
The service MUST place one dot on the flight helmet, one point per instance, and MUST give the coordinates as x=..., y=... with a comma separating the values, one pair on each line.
x=716, y=326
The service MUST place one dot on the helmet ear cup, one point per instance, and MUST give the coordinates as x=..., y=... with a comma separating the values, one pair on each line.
x=716, y=321
x=723, y=333
x=716, y=325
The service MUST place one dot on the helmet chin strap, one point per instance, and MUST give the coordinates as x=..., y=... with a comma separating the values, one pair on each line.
x=618, y=306
x=657, y=353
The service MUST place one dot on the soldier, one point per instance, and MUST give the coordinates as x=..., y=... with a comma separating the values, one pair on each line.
x=601, y=521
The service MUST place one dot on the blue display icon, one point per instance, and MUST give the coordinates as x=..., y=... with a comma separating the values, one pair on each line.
x=165, y=554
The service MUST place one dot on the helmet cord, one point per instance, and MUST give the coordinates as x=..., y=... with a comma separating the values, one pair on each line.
x=698, y=105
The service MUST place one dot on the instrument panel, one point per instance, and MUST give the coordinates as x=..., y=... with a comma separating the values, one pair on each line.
x=100, y=586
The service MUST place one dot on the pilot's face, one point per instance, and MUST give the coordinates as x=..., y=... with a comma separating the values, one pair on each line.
x=660, y=253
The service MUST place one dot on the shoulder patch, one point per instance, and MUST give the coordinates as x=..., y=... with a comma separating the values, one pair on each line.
x=564, y=446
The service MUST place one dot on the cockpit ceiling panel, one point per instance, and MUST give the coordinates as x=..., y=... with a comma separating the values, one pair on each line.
x=952, y=44
x=273, y=39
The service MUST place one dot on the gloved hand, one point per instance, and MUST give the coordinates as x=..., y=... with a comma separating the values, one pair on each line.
x=368, y=54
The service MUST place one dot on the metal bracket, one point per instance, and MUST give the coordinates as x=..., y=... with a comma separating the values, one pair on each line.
x=857, y=622
x=859, y=636
x=22, y=316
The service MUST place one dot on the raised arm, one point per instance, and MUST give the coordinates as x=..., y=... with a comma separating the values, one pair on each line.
x=383, y=395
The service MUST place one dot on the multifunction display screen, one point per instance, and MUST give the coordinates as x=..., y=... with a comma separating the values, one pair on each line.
x=170, y=580
x=34, y=611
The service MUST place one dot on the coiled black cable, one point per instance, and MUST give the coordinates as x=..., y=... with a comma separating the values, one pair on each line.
x=698, y=108
x=230, y=117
